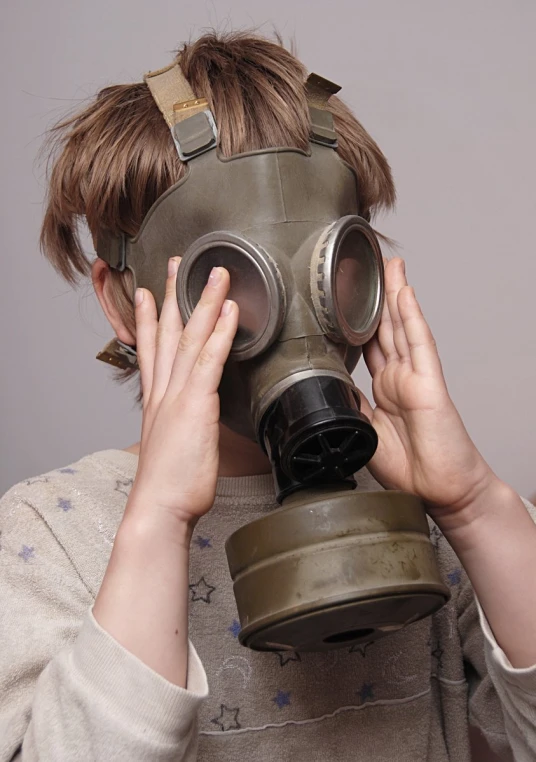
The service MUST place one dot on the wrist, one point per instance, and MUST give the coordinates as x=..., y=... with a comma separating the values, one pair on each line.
x=492, y=511
x=142, y=521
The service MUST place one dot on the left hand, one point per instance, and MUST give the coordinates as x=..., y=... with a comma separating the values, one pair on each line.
x=423, y=447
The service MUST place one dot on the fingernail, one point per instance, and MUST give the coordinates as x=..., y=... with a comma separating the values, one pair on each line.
x=172, y=267
x=215, y=276
x=138, y=298
x=227, y=307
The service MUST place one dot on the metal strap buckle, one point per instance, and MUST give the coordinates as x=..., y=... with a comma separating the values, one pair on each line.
x=322, y=128
x=195, y=135
x=319, y=90
x=119, y=355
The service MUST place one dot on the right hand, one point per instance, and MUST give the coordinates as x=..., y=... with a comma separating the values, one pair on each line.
x=181, y=368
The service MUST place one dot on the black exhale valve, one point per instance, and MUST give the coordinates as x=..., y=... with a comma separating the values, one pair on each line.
x=315, y=433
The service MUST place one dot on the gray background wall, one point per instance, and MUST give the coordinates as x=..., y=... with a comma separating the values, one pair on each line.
x=448, y=91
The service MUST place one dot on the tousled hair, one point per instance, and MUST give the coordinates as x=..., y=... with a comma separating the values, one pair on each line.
x=111, y=160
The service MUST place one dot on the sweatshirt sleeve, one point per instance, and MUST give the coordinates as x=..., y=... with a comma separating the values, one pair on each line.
x=495, y=678
x=68, y=690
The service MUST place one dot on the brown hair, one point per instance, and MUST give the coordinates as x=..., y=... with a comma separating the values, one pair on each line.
x=112, y=160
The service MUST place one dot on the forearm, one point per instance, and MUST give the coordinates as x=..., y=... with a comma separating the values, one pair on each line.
x=143, y=599
x=496, y=543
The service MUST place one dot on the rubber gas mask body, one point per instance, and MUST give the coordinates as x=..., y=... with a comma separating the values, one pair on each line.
x=331, y=567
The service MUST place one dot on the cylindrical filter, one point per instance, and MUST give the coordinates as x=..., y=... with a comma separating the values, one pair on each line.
x=333, y=568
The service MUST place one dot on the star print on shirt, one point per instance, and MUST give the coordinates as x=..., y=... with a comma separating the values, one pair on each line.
x=65, y=505
x=202, y=542
x=235, y=628
x=366, y=692
x=360, y=648
x=26, y=553
x=66, y=471
x=123, y=486
x=201, y=591
x=228, y=719
x=286, y=656
x=282, y=699
x=455, y=576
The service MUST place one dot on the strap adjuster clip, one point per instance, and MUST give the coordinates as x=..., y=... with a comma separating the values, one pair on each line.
x=113, y=249
x=195, y=135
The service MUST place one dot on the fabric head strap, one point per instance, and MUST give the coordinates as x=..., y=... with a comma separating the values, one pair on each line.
x=169, y=87
x=177, y=102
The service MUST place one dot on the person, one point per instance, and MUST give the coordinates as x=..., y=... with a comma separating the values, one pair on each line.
x=119, y=636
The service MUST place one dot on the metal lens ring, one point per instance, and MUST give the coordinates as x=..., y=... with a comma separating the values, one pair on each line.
x=256, y=286
x=347, y=284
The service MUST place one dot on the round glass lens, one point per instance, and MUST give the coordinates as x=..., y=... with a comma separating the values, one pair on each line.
x=249, y=289
x=356, y=281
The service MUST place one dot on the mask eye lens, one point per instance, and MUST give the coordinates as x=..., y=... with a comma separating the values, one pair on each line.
x=347, y=281
x=248, y=289
x=255, y=286
x=356, y=281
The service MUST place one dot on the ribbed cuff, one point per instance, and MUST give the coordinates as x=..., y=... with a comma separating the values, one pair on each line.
x=523, y=677
x=261, y=485
x=132, y=691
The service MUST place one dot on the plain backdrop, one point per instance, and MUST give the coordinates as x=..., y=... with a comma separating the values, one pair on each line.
x=447, y=89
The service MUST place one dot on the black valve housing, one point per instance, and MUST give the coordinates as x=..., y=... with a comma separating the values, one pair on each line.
x=315, y=433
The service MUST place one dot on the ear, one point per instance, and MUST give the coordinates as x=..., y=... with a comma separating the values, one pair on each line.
x=100, y=275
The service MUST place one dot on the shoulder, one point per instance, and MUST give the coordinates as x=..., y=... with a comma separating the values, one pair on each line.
x=73, y=502
x=70, y=513
x=92, y=476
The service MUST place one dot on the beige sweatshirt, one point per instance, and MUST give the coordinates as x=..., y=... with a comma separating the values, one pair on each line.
x=69, y=691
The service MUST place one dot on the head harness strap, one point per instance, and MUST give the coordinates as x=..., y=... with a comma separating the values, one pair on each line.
x=169, y=87
x=189, y=118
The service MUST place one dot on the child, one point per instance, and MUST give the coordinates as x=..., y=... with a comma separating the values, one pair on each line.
x=111, y=564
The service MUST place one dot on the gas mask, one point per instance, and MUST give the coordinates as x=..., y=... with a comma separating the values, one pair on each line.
x=332, y=566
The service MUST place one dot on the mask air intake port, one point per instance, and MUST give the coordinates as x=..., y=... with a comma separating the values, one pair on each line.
x=315, y=432
x=350, y=635
x=330, y=454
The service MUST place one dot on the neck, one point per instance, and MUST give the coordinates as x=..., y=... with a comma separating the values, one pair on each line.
x=239, y=456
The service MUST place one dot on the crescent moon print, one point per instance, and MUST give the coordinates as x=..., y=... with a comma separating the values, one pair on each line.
x=240, y=664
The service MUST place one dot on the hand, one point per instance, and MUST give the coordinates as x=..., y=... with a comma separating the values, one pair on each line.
x=423, y=447
x=181, y=368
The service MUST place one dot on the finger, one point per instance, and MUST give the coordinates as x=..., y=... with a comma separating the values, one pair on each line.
x=168, y=334
x=206, y=375
x=395, y=280
x=385, y=336
x=422, y=346
x=199, y=328
x=146, y=327
x=374, y=357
